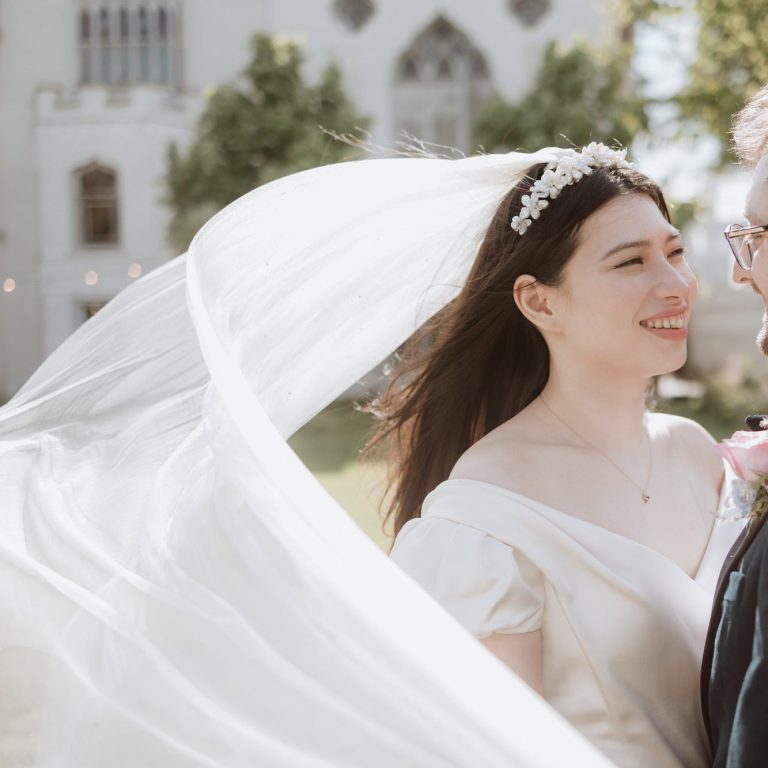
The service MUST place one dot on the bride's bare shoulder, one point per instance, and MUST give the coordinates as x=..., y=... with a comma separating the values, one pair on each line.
x=690, y=440
x=507, y=456
x=682, y=430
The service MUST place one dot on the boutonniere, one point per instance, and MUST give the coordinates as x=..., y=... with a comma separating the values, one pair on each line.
x=747, y=453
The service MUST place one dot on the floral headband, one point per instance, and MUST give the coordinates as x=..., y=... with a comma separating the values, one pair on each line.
x=571, y=166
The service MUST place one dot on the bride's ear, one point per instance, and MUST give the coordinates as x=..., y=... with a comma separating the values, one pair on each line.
x=537, y=302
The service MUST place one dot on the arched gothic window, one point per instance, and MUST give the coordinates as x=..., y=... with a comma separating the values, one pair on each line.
x=97, y=189
x=126, y=41
x=354, y=13
x=529, y=12
x=439, y=82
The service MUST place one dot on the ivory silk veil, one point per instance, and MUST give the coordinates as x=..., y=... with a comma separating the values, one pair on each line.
x=176, y=589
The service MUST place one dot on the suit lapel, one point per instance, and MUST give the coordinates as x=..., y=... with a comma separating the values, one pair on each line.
x=732, y=560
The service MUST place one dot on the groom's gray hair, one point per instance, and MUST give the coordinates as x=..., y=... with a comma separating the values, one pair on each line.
x=750, y=129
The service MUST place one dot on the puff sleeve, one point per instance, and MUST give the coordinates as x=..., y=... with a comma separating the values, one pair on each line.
x=482, y=582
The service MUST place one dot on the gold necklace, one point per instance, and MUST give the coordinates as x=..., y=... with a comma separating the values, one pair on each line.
x=643, y=489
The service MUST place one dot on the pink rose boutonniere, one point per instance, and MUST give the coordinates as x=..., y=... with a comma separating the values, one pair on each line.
x=747, y=453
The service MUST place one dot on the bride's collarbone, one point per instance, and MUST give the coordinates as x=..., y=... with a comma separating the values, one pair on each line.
x=581, y=483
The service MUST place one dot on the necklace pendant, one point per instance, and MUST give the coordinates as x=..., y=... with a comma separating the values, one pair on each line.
x=646, y=498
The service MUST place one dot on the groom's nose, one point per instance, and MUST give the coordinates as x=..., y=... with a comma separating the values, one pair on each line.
x=741, y=276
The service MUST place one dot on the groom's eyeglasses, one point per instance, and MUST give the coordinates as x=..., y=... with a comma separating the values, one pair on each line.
x=744, y=242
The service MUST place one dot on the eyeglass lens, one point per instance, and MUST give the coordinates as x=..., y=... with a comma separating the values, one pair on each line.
x=742, y=250
x=744, y=246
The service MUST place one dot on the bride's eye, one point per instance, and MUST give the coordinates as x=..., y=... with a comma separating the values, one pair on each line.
x=634, y=260
x=677, y=253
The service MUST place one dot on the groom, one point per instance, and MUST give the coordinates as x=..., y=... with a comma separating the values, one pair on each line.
x=734, y=676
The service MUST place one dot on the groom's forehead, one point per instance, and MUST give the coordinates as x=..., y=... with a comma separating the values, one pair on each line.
x=756, y=206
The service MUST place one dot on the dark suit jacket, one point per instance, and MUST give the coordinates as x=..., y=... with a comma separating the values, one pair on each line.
x=734, y=672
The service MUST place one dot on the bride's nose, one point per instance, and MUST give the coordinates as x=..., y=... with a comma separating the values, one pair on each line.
x=674, y=281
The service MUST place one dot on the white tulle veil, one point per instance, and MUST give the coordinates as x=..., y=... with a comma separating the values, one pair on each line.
x=176, y=589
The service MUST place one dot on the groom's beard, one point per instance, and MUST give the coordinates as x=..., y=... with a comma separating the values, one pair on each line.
x=762, y=334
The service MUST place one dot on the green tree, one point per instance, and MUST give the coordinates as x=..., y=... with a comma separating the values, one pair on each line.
x=731, y=63
x=629, y=12
x=264, y=126
x=580, y=94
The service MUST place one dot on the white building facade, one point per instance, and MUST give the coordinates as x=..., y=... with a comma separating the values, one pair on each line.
x=92, y=94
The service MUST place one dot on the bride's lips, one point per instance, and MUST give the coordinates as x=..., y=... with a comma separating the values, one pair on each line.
x=671, y=325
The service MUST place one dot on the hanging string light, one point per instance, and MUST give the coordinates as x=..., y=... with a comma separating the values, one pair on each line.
x=91, y=277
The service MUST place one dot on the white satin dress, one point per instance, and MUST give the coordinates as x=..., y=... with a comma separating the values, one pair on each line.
x=623, y=626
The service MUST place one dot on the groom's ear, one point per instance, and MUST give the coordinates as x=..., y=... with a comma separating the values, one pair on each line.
x=538, y=303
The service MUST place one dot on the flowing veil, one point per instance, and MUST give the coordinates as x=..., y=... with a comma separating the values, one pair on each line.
x=176, y=589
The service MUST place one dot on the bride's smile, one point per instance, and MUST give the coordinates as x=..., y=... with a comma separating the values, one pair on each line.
x=671, y=319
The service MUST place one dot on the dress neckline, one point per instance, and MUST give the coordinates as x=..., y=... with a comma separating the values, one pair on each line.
x=577, y=521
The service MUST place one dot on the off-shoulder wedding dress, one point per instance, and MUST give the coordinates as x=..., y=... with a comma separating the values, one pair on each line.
x=623, y=626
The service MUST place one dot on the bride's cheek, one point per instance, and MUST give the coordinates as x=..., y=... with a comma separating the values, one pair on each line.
x=693, y=287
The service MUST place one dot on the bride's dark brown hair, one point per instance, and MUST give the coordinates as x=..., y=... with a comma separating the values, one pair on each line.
x=479, y=361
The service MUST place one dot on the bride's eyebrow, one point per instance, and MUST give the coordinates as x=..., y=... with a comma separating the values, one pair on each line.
x=637, y=244
x=626, y=247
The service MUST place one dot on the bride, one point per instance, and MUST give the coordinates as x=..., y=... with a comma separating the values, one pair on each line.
x=176, y=589
x=572, y=530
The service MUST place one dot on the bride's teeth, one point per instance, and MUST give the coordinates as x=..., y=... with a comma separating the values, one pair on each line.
x=666, y=322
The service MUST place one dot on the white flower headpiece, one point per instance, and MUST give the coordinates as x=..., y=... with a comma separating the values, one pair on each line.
x=571, y=166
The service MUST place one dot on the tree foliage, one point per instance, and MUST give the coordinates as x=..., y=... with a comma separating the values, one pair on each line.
x=629, y=12
x=731, y=62
x=264, y=126
x=580, y=94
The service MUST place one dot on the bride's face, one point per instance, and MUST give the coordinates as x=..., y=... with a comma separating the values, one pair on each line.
x=627, y=291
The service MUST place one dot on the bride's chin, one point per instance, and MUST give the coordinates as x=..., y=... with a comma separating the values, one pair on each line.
x=672, y=366
x=668, y=361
